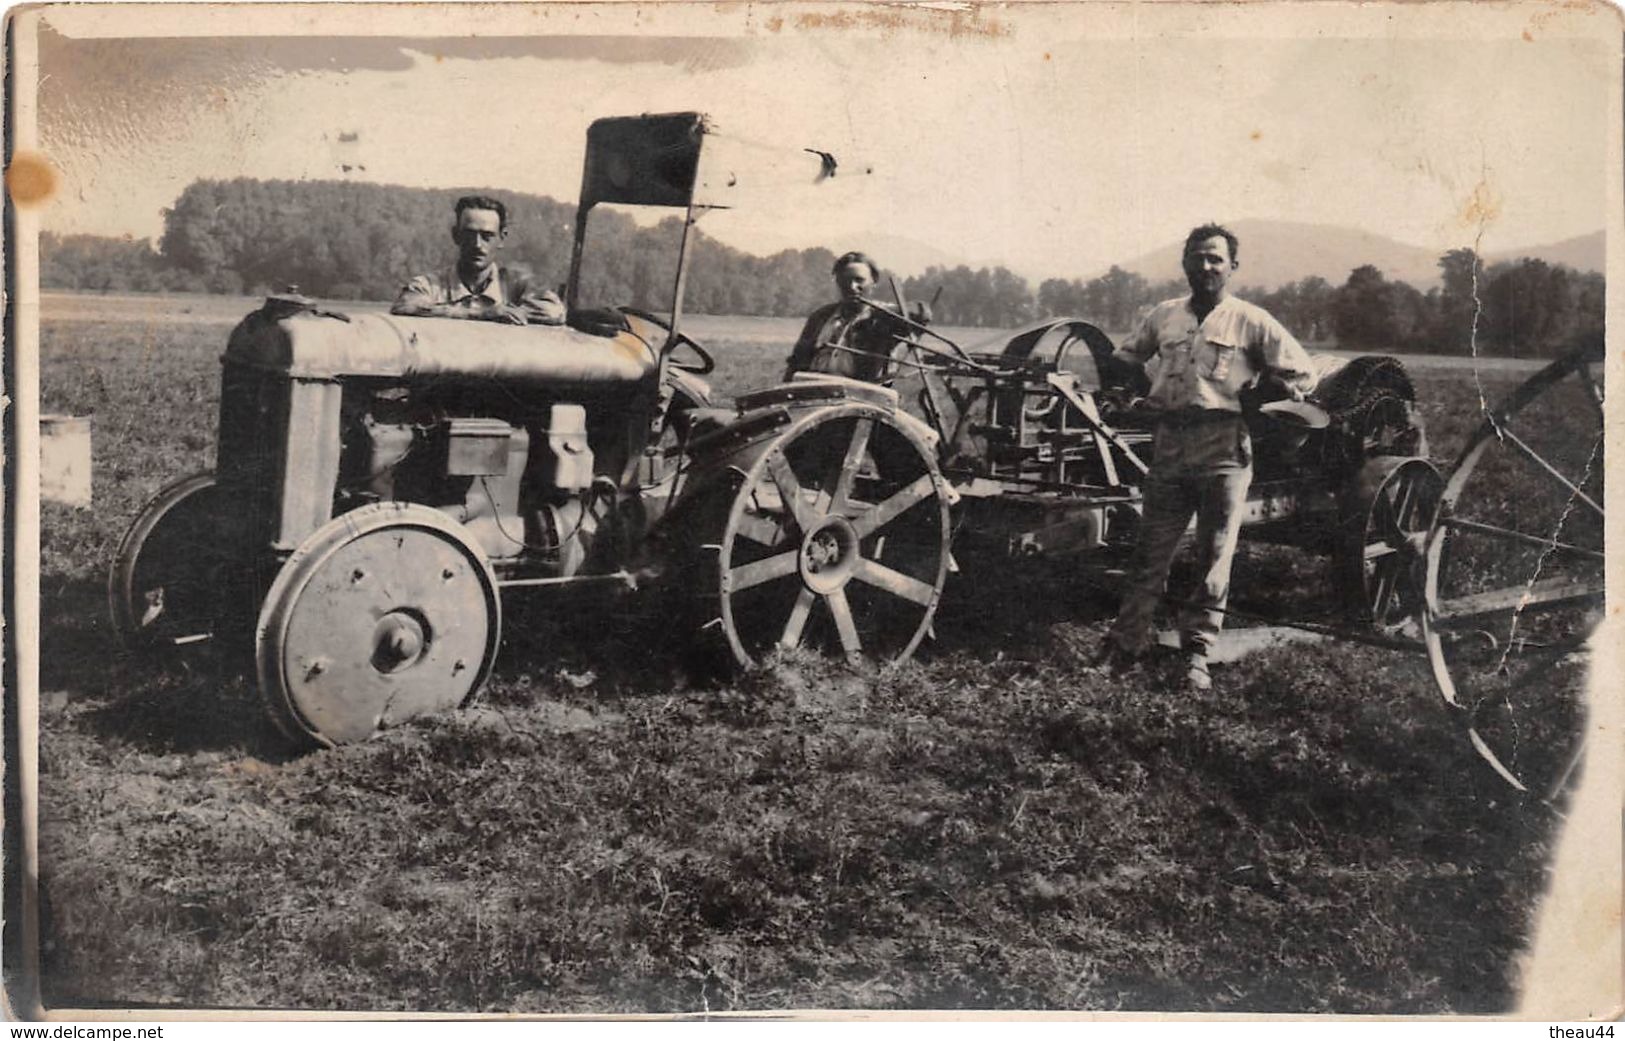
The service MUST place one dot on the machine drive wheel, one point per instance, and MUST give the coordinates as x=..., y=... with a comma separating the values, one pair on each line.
x=167, y=584
x=1382, y=558
x=1388, y=426
x=382, y=614
x=833, y=534
x=1514, y=581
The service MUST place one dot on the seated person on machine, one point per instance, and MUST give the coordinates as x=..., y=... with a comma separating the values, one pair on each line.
x=476, y=287
x=851, y=337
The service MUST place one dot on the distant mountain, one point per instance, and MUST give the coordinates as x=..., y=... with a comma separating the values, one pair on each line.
x=902, y=256
x=1276, y=252
x=1583, y=253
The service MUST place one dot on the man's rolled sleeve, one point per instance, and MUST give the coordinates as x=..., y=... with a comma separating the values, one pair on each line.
x=1285, y=356
x=1142, y=345
x=415, y=296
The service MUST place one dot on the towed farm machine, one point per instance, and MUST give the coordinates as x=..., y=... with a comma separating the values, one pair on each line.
x=383, y=483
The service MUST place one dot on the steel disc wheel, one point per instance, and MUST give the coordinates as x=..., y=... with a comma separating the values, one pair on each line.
x=1514, y=579
x=383, y=614
x=1396, y=500
x=836, y=539
x=168, y=580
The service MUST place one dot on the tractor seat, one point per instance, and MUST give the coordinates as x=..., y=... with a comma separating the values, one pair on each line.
x=697, y=422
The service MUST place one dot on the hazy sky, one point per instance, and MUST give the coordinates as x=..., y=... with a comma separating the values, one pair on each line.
x=1052, y=140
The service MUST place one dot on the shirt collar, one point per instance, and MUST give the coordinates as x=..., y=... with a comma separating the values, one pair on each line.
x=1218, y=308
x=460, y=291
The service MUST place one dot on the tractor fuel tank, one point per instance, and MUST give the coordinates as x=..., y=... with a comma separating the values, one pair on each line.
x=312, y=344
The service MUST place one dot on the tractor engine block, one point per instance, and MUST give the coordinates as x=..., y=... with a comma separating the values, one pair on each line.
x=524, y=489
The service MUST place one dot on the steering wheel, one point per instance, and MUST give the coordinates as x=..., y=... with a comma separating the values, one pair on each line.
x=703, y=367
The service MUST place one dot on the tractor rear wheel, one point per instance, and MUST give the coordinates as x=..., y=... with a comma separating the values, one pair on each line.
x=382, y=614
x=167, y=585
x=832, y=533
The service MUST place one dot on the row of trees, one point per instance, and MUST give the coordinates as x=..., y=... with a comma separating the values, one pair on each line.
x=107, y=265
x=345, y=240
x=1525, y=307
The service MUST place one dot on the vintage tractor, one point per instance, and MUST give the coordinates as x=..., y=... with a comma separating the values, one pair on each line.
x=383, y=482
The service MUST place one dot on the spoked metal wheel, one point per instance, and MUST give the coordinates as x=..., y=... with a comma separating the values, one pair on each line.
x=1384, y=561
x=382, y=614
x=834, y=536
x=1515, y=573
x=169, y=583
x=1388, y=427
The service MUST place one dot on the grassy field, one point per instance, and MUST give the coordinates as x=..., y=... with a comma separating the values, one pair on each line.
x=996, y=825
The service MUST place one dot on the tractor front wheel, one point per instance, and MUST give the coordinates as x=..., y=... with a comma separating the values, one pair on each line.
x=382, y=614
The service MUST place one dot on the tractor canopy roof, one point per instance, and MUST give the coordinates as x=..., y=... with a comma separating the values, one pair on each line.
x=649, y=160
x=678, y=160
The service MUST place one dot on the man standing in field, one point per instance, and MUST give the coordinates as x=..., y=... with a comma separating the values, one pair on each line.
x=1199, y=352
x=850, y=337
x=476, y=287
